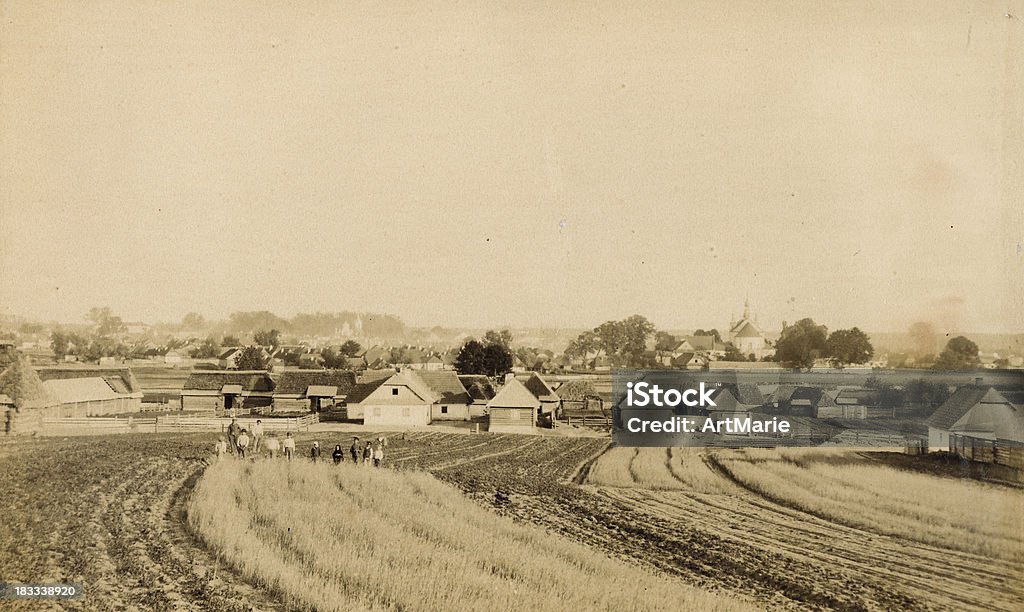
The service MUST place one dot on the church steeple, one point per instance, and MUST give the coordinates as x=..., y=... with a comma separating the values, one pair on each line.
x=746, y=309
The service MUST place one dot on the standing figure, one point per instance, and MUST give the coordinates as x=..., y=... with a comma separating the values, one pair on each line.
x=221, y=447
x=257, y=435
x=355, y=450
x=367, y=453
x=338, y=455
x=243, y=443
x=378, y=452
x=233, y=430
x=289, y=446
x=314, y=452
x=273, y=445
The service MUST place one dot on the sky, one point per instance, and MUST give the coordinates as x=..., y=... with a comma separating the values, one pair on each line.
x=525, y=163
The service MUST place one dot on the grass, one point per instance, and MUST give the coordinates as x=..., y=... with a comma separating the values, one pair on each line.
x=344, y=537
x=960, y=514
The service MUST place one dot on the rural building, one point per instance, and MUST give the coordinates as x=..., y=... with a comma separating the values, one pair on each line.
x=579, y=397
x=403, y=400
x=976, y=412
x=513, y=410
x=480, y=391
x=810, y=402
x=856, y=404
x=311, y=390
x=453, y=400
x=220, y=391
x=105, y=391
x=354, y=406
x=549, y=400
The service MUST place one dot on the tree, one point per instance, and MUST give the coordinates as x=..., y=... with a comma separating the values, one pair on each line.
x=733, y=354
x=848, y=346
x=21, y=383
x=710, y=332
x=637, y=329
x=497, y=360
x=960, y=354
x=250, y=358
x=230, y=341
x=800, y=344
x=206, y=350
x=470, y=359
x=611, y=337
x=268, y=338
x=664, y=341
x=60, y=344
x=502, y=338
x=334, y=360
x=105, y=321
x=350, y=348
x=585, y=343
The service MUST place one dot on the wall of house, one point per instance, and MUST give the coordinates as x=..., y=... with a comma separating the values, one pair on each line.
x=449, y=412
x=842, y=412
x=938, y=439
x=353, y=411
x=389, y=415
x=511, y=420
x=201, y=403
x=291, y=404
x=477, y=409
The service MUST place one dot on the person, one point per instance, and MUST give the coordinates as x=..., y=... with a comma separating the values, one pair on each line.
x=355, y=450
x=378, y=452
x=338, y=455
x=273, y=445
x=289, y=446
x=257, y=435
x=233, y=430
x=367, y=453
x=222, y=447
x=243, y=443
x=314, y=452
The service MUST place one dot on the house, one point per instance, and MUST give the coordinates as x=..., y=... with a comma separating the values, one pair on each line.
x=363, y=388
x=513, y=410
x=227, y=357
x=218, y=391
x=453, y=401
x=747, y=337
x=518, y=366
x=480, y=391
x=403, y=400
x=87, y=396
x=978, y=412
x=858, y=404
x=549, y=400
x=173, y=357
x=433, y=363
x=579, y=397
x=311, y=390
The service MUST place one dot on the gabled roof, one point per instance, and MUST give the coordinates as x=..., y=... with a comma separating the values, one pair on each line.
x=514, y=395
x=960, y=403
x=446, y=386
x=299, y=381
x=251, y=380
x=413, y=383
x=363, y=390
x=810, y=396
x=540, y=388
x=705, y=343
x=577, y=390
x=478, y=386
x=117, y=378
x=71, y=390
x=746, y=393
x=746, y=329
x=864, y=397
x=225, y=354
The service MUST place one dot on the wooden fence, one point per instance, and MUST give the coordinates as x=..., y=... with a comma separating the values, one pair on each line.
x=163, y=424
x=998, y=452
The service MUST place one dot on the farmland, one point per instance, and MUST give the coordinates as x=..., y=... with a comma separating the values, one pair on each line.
x=778, y=529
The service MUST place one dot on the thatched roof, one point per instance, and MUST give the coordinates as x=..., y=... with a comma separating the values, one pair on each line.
x=577, y=391
x=250, y=380
x=299, y=381
x=22, y=384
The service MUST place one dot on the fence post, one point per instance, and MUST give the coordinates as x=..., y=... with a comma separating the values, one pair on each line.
x=156, y=424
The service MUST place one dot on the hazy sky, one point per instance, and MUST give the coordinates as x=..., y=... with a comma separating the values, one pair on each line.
x=515, y=163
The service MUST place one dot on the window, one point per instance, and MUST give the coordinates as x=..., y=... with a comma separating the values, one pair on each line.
x=394, y=390
x=444, y=409
x=405, y=411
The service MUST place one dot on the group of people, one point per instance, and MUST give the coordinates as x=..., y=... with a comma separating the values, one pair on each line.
x=245, y=442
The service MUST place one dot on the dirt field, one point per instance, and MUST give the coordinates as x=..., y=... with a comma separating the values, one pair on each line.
x=108, y=512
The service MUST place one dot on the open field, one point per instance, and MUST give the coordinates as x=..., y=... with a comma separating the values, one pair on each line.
x=109, y=512
x=348, y=537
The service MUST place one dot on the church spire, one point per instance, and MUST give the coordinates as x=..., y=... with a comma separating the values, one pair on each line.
x=746, y=308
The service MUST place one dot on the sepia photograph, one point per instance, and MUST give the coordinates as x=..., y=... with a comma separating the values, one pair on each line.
x=328, y=305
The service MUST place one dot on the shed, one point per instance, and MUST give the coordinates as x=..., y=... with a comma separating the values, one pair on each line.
x=311, y=390
x=218, y=391
x=513, y=409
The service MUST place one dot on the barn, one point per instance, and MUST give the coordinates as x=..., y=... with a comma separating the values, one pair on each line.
x=85, y=391
x=514, y=409
x=480, y=390
x=311, y=390
x=402, y=400
x=549, y=400
x=978, y=413
x=220, y=391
